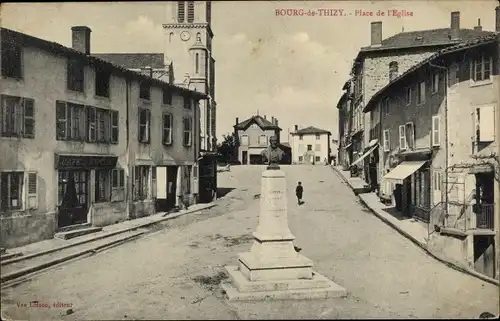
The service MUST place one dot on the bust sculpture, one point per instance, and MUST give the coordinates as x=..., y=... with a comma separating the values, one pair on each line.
x=273, y=154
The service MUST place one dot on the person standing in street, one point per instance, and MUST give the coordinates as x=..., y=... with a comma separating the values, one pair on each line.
x=299, y=190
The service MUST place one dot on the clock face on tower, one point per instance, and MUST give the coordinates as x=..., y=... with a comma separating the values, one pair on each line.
x=185, y=35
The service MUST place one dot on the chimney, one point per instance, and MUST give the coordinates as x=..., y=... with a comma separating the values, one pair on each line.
x=296, y=127
x=272, y=120
x=265, y=117
x=455, y=25
x=80, y=39
x=478, y=27
x=497, y=19
x=376, y=32
x=275, y=121
x=237, y=121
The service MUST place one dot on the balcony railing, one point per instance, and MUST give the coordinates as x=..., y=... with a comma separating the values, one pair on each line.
x=484, y=216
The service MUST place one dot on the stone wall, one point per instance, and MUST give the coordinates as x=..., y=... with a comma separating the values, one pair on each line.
x=19, y=230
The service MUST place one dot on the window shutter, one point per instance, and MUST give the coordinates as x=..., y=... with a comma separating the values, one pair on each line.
x=402, y=137
x=91, y=124
x=29, y=118
x=486, y=119
x=148, y=125
x=61, y=120
x=436, y=131
x=32, y=191
x=139, y=123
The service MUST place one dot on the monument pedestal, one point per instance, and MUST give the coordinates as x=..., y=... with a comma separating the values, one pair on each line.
x=272, y=268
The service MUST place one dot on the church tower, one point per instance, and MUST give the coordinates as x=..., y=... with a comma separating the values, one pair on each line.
x=188, y=46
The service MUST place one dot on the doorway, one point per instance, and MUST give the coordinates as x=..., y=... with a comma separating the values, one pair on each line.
x=73, y=197
x=171, y=187
x=244, y=157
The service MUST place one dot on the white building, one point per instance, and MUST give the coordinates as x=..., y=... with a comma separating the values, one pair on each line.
x=310, y=145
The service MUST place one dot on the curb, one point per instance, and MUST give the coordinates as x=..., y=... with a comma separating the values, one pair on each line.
x=36, y=268
x=423, y=246
x=113, y=233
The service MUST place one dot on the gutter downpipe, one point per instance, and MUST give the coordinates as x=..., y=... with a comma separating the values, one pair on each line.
x=445, y=133
x=127, y=148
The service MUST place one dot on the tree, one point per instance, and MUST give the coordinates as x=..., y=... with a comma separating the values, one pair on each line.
x=228, y=147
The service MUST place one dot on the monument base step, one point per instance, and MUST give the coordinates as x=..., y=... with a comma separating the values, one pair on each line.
x=241, y=289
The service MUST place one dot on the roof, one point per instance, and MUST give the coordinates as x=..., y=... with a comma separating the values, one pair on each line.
x=443, y=52
x=259, y=120
x=134, y=60
x=422, y=38
x=286, y=145
x=342, y=99
x=311, y=130
x=19, y=38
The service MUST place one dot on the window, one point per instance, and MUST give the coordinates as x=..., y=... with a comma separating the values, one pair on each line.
x=12, y=190
x=408, y=96
x=317, y=147
x=11, y=60
x=244, y=140
x=436, y=184
x=485, y=124
x=102, y=78
x=141, y=181
x=145, y=90
x=435, y=82
x=301, y=158
x=188, y=128
x=385, y=106
x=481, y=68
x=301, y=137
x=91, y=124
x=421, y=92
x=262, y=140
x=187, y=102
x=318, y=136
x=75, y=75
x=402, y=137
x=17, y=117
x=318, y=159
x=118, y=184
x=453, y=74
x=144, y=125
x=190, y=13
x=181, y=9
x=309, y=147
x=253, y=126
x=410, y=136
x=114, y=127
x=197, y=63
x=167, y=129
x=102, y=185
x=167, y=97
x=436, y=131
x=153, y=182
x=103, y=125
x=387, y=142
x=70, y=121
x=393, y=70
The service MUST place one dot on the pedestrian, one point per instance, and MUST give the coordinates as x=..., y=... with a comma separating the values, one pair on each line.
x=298, y=191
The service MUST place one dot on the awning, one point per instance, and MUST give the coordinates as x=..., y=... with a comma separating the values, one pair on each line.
x=403, y=170
x=368, y=152
x=372, y=143
x=348, y=145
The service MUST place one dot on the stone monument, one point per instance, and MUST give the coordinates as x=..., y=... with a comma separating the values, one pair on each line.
x=273, y=269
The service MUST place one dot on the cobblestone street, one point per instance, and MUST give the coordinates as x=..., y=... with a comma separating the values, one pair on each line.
x=175, y=272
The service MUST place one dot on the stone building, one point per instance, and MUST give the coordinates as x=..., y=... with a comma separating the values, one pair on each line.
x=439, y=149
x=253, y=137
x=310, y=145
x=385, y=59
x=82, y=138
x=187, y=61
x=345, y=126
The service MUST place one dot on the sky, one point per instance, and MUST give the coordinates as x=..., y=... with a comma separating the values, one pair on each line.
x=289, y=67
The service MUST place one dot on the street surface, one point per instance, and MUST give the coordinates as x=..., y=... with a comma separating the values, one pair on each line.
x=175, y=273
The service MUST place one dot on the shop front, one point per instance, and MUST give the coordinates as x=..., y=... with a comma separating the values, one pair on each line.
x=370, y=156
x=207, y=189
x=82, y=180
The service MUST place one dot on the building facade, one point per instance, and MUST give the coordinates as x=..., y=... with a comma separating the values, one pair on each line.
x=345, y=122
x=83, y=150
x=376, y=65
x=188, y=45
x=439, y=149
x=253, y=136
x=310, y=145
